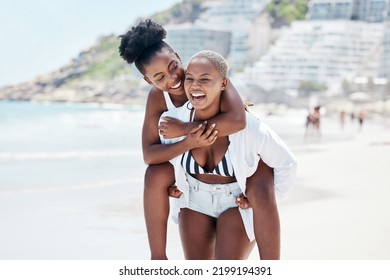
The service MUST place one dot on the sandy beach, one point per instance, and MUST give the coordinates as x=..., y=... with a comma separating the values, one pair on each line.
x=337, y=210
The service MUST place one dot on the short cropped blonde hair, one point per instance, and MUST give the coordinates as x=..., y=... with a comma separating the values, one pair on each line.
x=214, y=58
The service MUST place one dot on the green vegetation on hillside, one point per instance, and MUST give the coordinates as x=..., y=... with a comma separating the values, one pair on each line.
x=187, y=10
x=286, y=11
x=107, y=64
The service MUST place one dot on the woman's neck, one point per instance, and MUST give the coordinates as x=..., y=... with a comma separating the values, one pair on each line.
x=205, y=114
x=178, y=100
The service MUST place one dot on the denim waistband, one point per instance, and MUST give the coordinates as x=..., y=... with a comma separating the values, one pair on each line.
x=197, y=185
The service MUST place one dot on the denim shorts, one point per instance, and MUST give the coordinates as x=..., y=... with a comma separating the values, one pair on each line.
x=212, y=199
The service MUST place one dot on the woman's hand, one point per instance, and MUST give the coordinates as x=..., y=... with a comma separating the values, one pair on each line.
x=201, y=136
x=172, y=128
x=174, y=192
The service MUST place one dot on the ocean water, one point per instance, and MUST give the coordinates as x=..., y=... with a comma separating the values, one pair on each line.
x=68, y=145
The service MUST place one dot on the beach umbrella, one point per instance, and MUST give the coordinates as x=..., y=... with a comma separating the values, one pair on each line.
x=359, y=97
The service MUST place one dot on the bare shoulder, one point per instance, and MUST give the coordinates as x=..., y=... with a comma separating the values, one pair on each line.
x=155, y=101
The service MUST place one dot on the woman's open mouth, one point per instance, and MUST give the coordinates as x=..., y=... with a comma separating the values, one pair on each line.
x=197, y=96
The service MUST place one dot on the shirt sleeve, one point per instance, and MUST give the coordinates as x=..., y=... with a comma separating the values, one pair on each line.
x=276, y=154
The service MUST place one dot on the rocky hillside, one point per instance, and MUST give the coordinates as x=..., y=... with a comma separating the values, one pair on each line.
x=98, y=74
x=95, y=75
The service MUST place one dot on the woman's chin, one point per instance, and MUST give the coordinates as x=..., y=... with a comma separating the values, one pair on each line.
x=177, y=91
x=198, y=104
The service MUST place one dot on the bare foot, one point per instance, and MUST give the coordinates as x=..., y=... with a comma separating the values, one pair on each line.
x=173, y=191
x=242, y=201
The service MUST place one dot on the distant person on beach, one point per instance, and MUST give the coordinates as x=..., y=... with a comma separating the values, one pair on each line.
x=361, y=116
x=162, y=68
x=342, y=119
x=313, y=121
x=211, y=225
x=352, y=115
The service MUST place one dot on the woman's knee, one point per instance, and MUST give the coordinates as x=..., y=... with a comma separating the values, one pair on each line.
x=159, y=174
x=260, y=186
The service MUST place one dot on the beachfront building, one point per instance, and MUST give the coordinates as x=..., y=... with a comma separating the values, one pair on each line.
x=330, y=9
x=249, y=36
x=325, y=52
x=385, y=69
x=365, y=10
x=188, y=39
x=371, y=10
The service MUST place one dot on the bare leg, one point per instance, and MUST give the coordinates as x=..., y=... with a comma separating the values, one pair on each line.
x=197, y=232
x=260, y=192
x=156, y=207
x=232, y=241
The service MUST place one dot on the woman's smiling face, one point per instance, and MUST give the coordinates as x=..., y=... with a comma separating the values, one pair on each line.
x=165, y=71
x=203, y=84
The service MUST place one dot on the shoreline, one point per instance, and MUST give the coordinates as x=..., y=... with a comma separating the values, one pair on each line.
x=330, y=108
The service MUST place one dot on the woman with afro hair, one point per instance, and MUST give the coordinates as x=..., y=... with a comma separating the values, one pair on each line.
x=162, y=68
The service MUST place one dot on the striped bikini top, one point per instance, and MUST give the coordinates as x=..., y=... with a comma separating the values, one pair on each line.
x=224, y=167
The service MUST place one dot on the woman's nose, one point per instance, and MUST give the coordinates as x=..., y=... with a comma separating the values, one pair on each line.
x=195, y=84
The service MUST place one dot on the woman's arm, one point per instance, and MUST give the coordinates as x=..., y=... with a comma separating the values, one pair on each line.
x=153, y=151
x=231, y=119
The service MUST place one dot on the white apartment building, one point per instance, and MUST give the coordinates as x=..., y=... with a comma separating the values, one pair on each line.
x=239, y=18
x=385, y=67
x=322, y=51
x=188, y=39
x=330, y=9
x=371, y=10
x=365, y=10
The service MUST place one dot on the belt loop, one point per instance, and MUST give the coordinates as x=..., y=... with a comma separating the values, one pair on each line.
x=196, y=186
x=197, y=183
x=194, y=183
x=228, y=189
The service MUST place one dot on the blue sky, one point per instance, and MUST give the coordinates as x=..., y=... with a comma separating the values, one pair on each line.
x=39, y=36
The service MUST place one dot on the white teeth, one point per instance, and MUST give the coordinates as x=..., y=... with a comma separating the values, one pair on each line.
x=197, y=94
x=177, y=85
